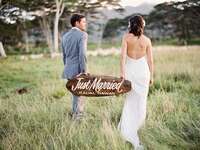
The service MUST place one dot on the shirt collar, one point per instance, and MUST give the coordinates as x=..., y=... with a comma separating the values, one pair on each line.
x=76, y=28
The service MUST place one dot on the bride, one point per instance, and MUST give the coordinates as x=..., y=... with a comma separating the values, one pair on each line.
x=136, y=65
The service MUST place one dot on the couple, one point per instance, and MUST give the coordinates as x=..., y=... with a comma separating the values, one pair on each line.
x=136, y=65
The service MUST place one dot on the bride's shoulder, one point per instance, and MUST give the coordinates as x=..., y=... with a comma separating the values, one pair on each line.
x=126, y=35
x=146, y=38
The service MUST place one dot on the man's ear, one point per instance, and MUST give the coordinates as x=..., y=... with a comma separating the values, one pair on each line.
x=76, y=23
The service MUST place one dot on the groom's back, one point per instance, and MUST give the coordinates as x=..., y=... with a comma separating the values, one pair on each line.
x=70, y=43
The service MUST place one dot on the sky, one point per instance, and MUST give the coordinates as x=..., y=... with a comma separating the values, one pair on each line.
x=138, y=2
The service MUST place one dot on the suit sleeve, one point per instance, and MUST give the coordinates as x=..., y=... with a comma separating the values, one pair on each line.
x=63, y=50
x=82, y=52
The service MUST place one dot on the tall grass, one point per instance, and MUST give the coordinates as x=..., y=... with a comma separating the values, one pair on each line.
x=39, y=119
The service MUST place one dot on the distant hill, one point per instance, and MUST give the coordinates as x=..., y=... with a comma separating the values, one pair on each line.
x=144, y=8
x=98, y=28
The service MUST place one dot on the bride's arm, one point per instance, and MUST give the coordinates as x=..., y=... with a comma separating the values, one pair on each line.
x=150, y=60
x=123, y=56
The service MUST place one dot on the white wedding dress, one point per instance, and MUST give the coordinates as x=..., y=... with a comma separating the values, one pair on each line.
x=134, y=110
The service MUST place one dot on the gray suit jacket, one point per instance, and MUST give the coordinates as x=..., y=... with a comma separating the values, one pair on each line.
x=74, y=45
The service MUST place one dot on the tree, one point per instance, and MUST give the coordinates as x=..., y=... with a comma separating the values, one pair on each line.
x=2, y=51
x=60, y=5
x=45, y=10
x=181, y=16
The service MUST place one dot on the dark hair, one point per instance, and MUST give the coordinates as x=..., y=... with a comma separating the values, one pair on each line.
x=136, y=25
x=76, y=17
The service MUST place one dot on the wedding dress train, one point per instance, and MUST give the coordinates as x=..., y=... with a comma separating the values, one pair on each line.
x=134, y=110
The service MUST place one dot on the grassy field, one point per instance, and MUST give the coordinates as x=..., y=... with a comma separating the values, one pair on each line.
x=38, y=119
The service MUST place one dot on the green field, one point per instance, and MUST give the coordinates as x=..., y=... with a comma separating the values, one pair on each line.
x=38, y=118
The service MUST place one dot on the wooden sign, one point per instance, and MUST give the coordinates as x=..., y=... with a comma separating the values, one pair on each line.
x=93, y=85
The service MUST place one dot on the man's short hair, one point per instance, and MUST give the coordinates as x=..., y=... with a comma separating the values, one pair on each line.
x=75, y=18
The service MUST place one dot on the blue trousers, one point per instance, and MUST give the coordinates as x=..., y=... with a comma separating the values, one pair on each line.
x=75, y=103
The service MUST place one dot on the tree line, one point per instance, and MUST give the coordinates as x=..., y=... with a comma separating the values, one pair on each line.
x=170, y=19
x=17, y=17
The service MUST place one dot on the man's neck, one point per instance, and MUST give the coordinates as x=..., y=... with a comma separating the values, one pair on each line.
x=76, y=28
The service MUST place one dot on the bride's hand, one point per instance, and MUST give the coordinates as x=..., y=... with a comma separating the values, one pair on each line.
x=122, y=75
x=151, y=81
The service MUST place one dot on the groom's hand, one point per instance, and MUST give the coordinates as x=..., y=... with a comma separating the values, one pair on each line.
x=85, y=73
x=82, y=73
x=79, y=74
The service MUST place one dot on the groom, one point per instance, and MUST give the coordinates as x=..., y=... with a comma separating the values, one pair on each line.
x=74, y=45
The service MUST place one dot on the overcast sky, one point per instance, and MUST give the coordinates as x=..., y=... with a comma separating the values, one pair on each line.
x=138, y=2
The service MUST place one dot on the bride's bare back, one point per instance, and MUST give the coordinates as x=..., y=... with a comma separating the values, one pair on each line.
x=136, y=47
